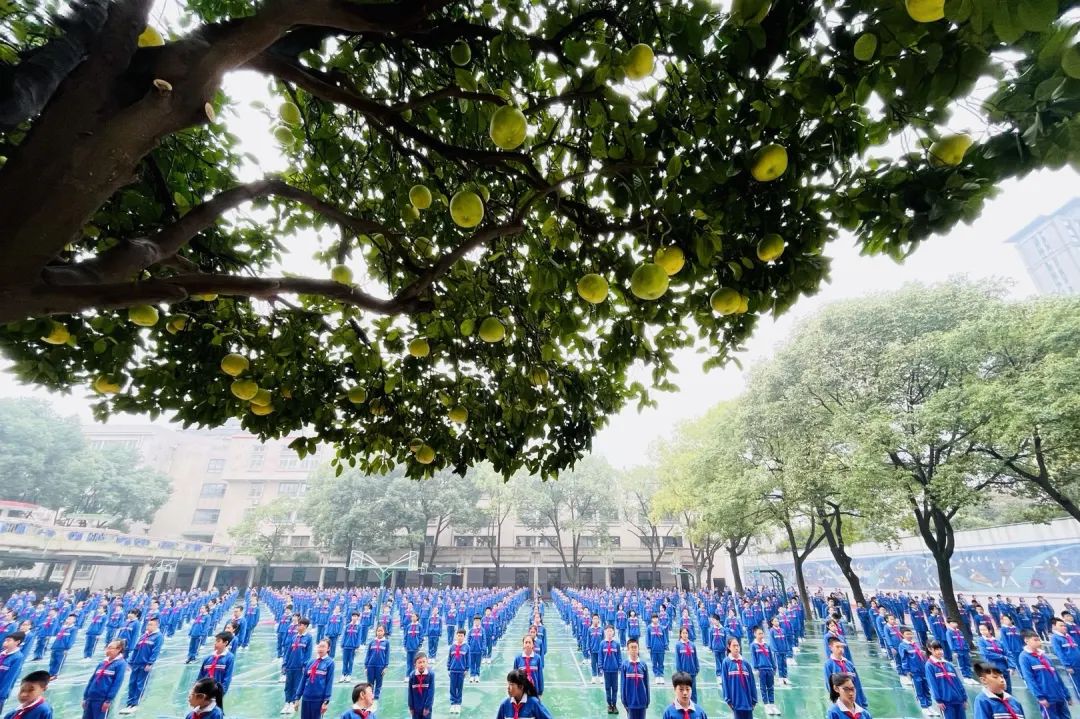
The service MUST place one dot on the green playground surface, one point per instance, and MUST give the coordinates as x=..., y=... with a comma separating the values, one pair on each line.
x=257, y=694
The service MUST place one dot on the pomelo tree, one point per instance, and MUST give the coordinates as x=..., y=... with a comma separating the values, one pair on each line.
x=456, y=168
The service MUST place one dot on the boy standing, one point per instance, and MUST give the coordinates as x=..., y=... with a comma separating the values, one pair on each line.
x=657, y=642
x=994, y=700
x=32, y=704
x=297, y=654
x=143, y=656
x=62, y=643
x=683, y=707
x=219, y=665
x=913, y=663
x=421, y=688
x=635, y=682
x=610, y=663
x=457, y=663
x=1042, y=679
x=11, y=663
x=350, y=642
x=945, y=684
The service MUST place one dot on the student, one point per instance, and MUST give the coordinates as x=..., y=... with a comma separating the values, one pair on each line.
x=32, y=704
x=219, y=665
x=197, y=632
x=476, y=650
x=993, y=652
x=297, y=656
x=434, y=632
x=945, y=683
x=239, y=625
x=1042, y=679
x=686, y=660
x=363, y=703
x=913, y=664
x=635, y=682
x=633, y=625
x=457, y=664
x=740, y=690
x=610, y=663
x=833, y=631
x=206, y=699
x=143, y=656
x=11, y=663
x=1011, y=641
x=97, y=626
x=959, y=647
x=105, y=682
x=48, y=629
x=130, y=630
x=683, y=706
x=592, y=644
x=656, y=641
x=317, y=682
x=421, y=688
x=62, y=643
x=350, y=642
x=412, y=639
x=781, y=644
x=532, y=664
x=334, y=626
x=842, y=694
x=376, y=660
x=838, y=663
x=994, y=700
x=521, y=701
x=763, y=660
x=1066, y=649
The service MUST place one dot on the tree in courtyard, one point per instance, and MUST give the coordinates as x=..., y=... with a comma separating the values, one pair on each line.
x=116, y=484
x=496, y=505
x=505, y=192
x=637, y=490
x=263, y=533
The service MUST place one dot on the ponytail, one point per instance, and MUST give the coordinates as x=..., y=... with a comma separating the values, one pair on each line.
x=836, y=680
x=210, y=688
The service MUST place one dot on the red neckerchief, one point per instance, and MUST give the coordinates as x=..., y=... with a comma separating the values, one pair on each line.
x=528, y=669
x=944, y=670
x=313, y=670
x=918, y=653
x=608, y=648
x=762, y=647
x=1042, y=660
x=742, y=678
x=1004, y=703
x=843, y=665
x=362, y=713
x=420, y=686
x=688, y=648
x=686, y=712
x=516, y=706
x=457, y=651
x=852, y=715
x=296, y=642
x=23, y=710
x=213, y=665
x=144, y=639
x=636, y=671
x=101, y=670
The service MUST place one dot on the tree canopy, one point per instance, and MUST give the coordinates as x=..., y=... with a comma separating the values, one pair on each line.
x=520, y=202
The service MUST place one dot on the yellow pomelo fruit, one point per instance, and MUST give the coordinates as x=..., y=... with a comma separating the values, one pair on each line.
x=143, y=315
x=244, y=389
x=749, y=12
x=419, y=347
x=508, y=127
x=671, y=259
x=950, y=150
x=262, y=398
x=425, y=455
x=415, y=444
x=491, y=330
x=261, y=409
x=865, y=47
x=289, y=113
x=377, y=407
x=204, y=296
x=769, y=163
x=639, y=62
x=466, y=209
x=58, y=334
x=592, y=288
x=744, y=304
x=458, y=414
x=925, y=10
x=409, y=214
x=538, y=376
x=460, y=53
x=176, y=324
x=341, y=274
x=103, y=384
x=649, y=281
x=770, y=247
x=150, y=38
x=1070, y=61
x=725, y=301
x=420, y=197
x=234, y=364
x=357, y=395
x=283, y=135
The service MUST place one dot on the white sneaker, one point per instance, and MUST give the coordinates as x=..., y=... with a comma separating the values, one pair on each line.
x=595, y=680
x=284, y=709
x=126, y=710
x=660, y=680
x=791, y=662
x=281, y=679
x=905, y=681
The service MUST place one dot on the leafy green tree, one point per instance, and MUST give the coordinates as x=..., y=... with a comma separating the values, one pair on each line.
x=116, y=483
x=637, y=489
x=496, y=504
x=122, y=177
x=263, y=532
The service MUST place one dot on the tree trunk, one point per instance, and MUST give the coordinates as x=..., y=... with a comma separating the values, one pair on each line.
x=936, y=529
x=834, y=536
x=733, y=555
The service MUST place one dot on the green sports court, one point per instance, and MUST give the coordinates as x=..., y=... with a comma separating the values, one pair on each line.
x=257, y=694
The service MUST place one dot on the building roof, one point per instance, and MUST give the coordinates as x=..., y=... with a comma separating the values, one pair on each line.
x=1036, y=224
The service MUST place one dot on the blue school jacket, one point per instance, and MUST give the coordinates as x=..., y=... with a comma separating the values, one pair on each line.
x=1012, y=643
x=610, y=656
x=350, y=638
x=635, y=684
x=457, y=660
x=686, y=658
x=845, y=666
x=413, y=636
x=318, y=680
x=993, y=652
x=912, y=659
x=477, y=640
x=214, y=712
x=378, y=654
x=1066, y=649
x=946, y=686
x=535, y=671
x=219, y=668
x=41, y=710
x=836, y=712
x=64, y=639
x=674, y=711
x=657, y=639
x=531, y=707
x=10, y=666
x=297, y=652
x=740, y=691
x=146, y=650
x=1041, y=678
x=989, y=706
x=353, y=713
x=761, y=657
x=421, y=692
x=106, y=681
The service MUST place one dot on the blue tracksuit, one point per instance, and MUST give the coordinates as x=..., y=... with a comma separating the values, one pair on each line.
x=103, y=687
x=414, y=636
x=675, y=711
x=993, y=652
x=350, y=642
x=334, y=625
x=41, y=710
x=989, y=706
x=10, y=667
x=375, y=662
x=534, y=669
x=1044, y=683
x=141, y=657
x=1068, y=653
x=529, y=708
x=214, y=713
x=421, y=694
x=781, y=649
x=197, y=632
x=62, y=643
x=97, y=626
x=657, y=641
x=610, y=662
x=457, y=663
x=845, y=666
x=913, y=663
x=297, y=656
x=764, y=662
x=947, y=688
x=960, y=651
x=477, y=642
x=635, y=688
x=740, y=689
x=316, y=685
x=836, y=712
x=686, y=660
x=219, y=668
x=434, y=632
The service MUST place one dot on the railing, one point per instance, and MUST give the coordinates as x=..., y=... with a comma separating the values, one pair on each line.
x=47, y=539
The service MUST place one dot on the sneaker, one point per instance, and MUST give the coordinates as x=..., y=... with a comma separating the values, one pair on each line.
x=281, y=679
x=792, y=662
x=660, y=680
x=595, y=680
x=126, y=710
x=284, y=709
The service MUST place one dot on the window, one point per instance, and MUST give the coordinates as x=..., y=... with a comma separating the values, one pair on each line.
x=485, y=540
x=107, y=443
x=213, y=489
x=672, y=541
x=207, y=538
x=299, y=541
x=292, y=489
x=429, y=541
x=290, y=460
x=215, y=466
x=255, y=489
x=206, y=516
x=258, y=454
x=525, y=541
x=463, y=541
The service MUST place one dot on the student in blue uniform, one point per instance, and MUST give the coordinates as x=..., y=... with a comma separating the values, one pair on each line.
x=363, y=703
x=994, y=701
x=913, y=664
x=477, y=642
x=521, y=701
x=197, y=632
x=421, y=691
x=634, y=687
x=11, y=663
x=842, y=692
x=219, y=665
x=763, y=660
x=284, y=621
x=141, y=661
x=457, y=664
x=376, y=660
x=1066, y=649
x=959, y=647
x=317, y=682
x=781, y=644
x=1042, y=679
x=206, y=700
x=350, y=642
x=946, y=684
x=838, y=663
x=412, y=638
x=334, y=626
x=683, y=706
x=130, y=630
x=740, y=689
x=94, y=630
x=61, y=645
x=993, y=652
x=46, y=632
x=532, y=663
x=297, y=656
x=657, y=641
x=434, y=632
x=686, y=660
x=32, y=702
x=105, y=682
x=610, y=663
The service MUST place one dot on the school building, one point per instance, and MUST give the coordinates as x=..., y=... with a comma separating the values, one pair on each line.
x=220, y=474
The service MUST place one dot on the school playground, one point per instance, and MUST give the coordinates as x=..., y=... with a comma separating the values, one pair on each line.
x=257, y=694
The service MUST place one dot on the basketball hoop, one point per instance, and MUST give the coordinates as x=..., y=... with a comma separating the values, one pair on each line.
x=167, y=566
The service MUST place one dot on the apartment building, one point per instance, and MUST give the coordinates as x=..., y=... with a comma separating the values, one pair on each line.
x=1050, y=249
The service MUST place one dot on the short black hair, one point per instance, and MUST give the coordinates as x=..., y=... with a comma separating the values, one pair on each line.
x=1028, y=634
x=358, y=689
x=934, y=644
x=681, y=679
x=983, y=669
x=18, y=635
x=39, y=677
x=226, y=637
x=632, y=640
x=305, y=621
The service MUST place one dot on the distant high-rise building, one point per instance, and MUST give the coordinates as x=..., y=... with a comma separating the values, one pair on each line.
x=1050, y=247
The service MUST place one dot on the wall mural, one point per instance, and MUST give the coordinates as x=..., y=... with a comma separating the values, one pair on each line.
x=1045, y=568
